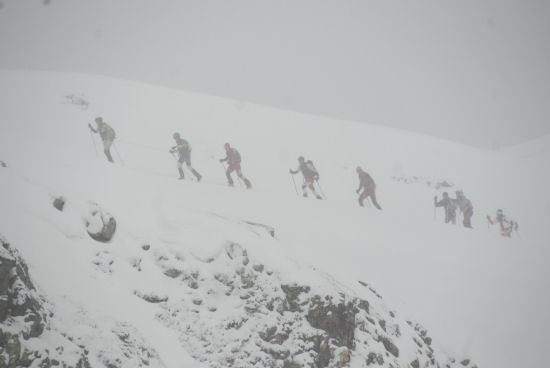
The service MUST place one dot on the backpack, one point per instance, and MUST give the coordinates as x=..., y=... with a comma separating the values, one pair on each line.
x=236, y=156
x=311, y=168
x=367, y=180
x=185, y=145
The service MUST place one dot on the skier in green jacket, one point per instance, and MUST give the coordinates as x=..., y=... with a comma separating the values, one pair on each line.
x=107, y=134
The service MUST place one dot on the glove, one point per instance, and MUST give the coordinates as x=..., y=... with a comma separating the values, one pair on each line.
x=221, y=159
x=357, y=191
x=316, y=177
x=89, y=126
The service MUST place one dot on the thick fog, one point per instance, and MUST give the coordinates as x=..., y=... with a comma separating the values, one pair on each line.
x=475, y=72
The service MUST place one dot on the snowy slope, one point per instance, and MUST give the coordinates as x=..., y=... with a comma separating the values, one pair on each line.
x=480, y=296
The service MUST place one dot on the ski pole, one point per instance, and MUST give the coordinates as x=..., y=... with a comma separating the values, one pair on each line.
x=224, y=169
x=118, y=154
x=294, y=182
x=321, y=189
x=93, y=142
x=241, y=184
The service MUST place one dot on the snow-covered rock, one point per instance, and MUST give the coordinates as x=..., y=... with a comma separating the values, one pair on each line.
x=101, y=226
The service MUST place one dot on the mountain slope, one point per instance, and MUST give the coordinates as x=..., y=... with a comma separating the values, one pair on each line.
x=473, y=290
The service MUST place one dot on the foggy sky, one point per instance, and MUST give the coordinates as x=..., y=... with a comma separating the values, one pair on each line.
x=475, y=72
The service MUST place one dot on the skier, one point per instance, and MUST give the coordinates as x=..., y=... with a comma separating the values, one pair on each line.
x=183, y=148
x=233, y=158
x=450, y=207
x=506, y=225
x=366, y=182
x=310, y=174
x=466, y=208
x=107, y=134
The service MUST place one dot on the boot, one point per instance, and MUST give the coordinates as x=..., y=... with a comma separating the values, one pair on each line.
x=109, y=157
x=247, y=183
x=182, y=174
x=199, y=177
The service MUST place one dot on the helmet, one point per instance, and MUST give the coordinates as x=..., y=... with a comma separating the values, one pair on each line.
x=99, y=119
x=358, y=169
x=301, y=159
x=499, y=212
x=226, y=145
x=176, y=135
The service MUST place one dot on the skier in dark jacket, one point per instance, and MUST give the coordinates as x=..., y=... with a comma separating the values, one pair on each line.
x=450, y=207
x=107, y=134
x=310, y=174
x=465, y=206
x=233, y=158
x=507, y=225
x=183, y=150
x=366, y=182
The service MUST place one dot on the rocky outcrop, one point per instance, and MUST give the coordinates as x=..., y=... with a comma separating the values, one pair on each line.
x=245, y=314
x=59, y=203
x=25, y=319
x=101, y=226
x=18, y=297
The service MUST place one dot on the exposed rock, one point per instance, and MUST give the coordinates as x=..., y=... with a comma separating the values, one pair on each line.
x=382, y=324
x=292, y=293
x=151, y=297
x=3, y=164
x=100, y=225
x=145, y=247
x=258, y=268
x=344, y=358
x=271, y=335
x=59, y=203
x=18, y=297
x=390, y=346
x=338, y=321
x=415, y=363
x=173, y=273
x=465, y=362
x=364, y=305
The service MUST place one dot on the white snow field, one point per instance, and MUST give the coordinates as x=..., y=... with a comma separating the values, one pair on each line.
x=481, y=296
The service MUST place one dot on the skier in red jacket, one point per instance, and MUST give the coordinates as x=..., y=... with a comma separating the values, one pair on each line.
x=233, y=158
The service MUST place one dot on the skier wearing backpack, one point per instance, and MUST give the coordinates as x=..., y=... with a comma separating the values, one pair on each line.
x=450, y=207
x=107, y=134
x=465, y=206
x=506, y=225
x=233, y=158
x=310, y=175
x=183, y=149
x=366, y=182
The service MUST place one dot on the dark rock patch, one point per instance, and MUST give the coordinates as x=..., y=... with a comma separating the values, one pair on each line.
x=338, y=321
x=100, y=225
x=59, y=203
